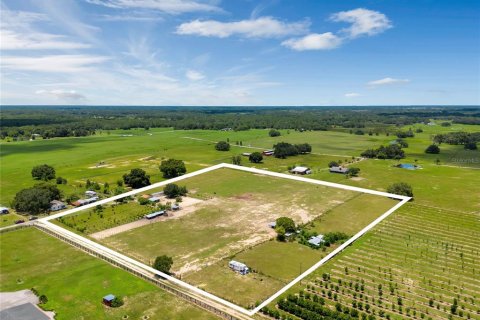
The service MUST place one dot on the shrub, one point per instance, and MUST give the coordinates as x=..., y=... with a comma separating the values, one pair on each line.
x=117, y=302
x=401, y=188
x=274, y=133
x=433, y=149
x=255, y=157
x=222, y=146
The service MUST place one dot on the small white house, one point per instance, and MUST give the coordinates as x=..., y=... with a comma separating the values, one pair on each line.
x=238, y=267
x=316, y=240
x=339, y=169
x=56, y=205
x=90, y=193
x=301, y=170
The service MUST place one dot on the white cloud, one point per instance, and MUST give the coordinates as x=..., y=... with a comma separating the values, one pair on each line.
x=52, y=63
x=62, y=94
x=387, y=81
x=167, y=6
x=17, y=33
x=194, y=75
x=263, y=27
x=352, y=94
x=364, y=22
x=314, y=41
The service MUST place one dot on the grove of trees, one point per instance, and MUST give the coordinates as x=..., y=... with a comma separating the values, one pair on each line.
x=401, y=188
x=36, y=199
x=285, y=149
x=392, y=151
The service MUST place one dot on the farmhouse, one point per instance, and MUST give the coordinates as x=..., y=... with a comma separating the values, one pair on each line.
x=301, y=170
x=238, y=267
x=90, y=193
x=56, y=205
x=268, y=153
x=107, y=300
x=4, y=210
x=316, y=240
x=338, y=169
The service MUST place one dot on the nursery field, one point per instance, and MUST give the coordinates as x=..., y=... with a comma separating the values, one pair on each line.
x=419, y=263
x=75, y=282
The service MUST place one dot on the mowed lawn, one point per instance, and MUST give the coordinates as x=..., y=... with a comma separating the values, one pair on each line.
x=75, y=282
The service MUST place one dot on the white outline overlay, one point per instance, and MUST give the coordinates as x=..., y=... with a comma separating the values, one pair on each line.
x=119, y=256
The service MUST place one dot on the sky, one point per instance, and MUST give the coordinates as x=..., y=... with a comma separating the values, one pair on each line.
x=240, y=52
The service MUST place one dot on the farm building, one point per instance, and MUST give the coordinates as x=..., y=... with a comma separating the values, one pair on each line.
x=267, y=153
x=155, y=214
x=154, y=199
x=90, y=193
x=316, y=240
x=238, y=267
x=83, y=202
x=56, y=205
x=301, y=170
x=4, y=210
x=338, y=169
x=107, y=300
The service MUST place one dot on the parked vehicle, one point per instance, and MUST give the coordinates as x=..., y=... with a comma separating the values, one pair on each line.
x=19, y=221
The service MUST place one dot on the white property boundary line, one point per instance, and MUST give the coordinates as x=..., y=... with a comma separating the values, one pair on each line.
x=208, y=295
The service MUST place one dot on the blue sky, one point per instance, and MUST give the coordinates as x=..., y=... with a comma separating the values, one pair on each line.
x=244, y=52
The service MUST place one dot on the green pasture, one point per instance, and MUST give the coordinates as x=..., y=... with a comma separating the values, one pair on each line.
x=75, y=282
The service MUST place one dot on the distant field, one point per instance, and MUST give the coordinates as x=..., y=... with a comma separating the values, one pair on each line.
x=75, y=282
x=415, y=264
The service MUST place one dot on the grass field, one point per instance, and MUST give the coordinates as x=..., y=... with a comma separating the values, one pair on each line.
x=414, y=265
x=75, y=282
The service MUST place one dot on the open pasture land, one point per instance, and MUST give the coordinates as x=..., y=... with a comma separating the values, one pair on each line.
x=231, y=221
x=75, y=282
x=420, y=263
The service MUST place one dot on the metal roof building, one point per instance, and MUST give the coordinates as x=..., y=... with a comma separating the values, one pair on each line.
x=339, y=169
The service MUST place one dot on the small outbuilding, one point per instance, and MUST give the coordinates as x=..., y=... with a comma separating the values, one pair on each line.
x=301, y=170
x=339, y=169
x=154, y=199
x=268, y=153
x=56, y=205
x=272, y=224
x=316, y=240
x=90, y=193
x=239, y=267
x=175, y=207
x=4, y=210
x=246, y=154
x=107, y=300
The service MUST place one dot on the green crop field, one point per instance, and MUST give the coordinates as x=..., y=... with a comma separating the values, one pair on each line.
x=75, y=282
x=419, y=263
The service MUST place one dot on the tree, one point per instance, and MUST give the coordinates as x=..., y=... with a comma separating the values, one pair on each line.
x=470, y=145
x=61, y=180
x=280, y=233
x=401, y=188
x=43, y=172
x=172, y=191
x=222, y=146
x=274, y=133
x=433, y=148
x=255, y=157
x=303, y=148
x=287, y=223
x=172, y=168
x=36, y=199
x=353, y=171
x=237, y=160
x=332, y=164
x=137, y=178
x=163, y=264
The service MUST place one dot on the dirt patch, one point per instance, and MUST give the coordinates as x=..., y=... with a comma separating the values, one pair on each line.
x=188, y=205
x=245, y=196
x=357, y=178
